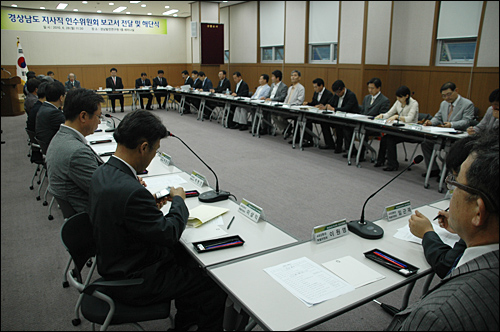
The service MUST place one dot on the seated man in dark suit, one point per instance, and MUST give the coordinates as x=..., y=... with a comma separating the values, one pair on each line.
x=70, y=160
x=114, y=82
x=72, y=83
x=277, y=92
x=467, y=299
x=32, y=96
x=197, y=84
x=144, y=82
x=240, y=90
x=224, y=86
x=344, y=100
x=135, y=239
x=160, y=81
x=49, y=116
x=31, y=121
x=187, y=81
x=321, y=96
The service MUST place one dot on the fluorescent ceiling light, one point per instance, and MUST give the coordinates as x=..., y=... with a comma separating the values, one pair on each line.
x=172, y=11
x=150, y=13
x=99, y=11
x=134, y=1
x=62, y=5
x=75, y=10
x=119, y=9
x=111, y=3
x=143, y=5
x=14, y=5
x=84, y=2
x=42, y=7
x=128, y=13
x=167, y=7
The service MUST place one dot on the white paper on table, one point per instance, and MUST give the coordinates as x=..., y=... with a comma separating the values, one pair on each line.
x=448, y=238
x=104, y=147
x=98, y=137
x=308, y=281
x=355, y=115
x=433, y=129
x=353, y=271
x=210, y=230
x=157, y=183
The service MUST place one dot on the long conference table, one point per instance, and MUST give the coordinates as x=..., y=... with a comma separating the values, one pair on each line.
x=240, y=270
x=361, y=124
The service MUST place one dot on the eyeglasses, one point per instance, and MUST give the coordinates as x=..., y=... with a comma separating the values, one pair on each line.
x=451, y=184
x=446, y=95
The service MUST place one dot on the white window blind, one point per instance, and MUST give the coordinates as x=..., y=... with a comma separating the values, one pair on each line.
x=323, y=22
x=459, y=19
x=272, y=23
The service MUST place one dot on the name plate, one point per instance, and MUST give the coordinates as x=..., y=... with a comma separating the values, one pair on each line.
x=448, y=195
x=414, y=127
x=397, y=211
x=110, y=123
x=251, y=211
x=381, y=121
x=338, y=113
x=330, y=231
x=198, y=179
x=165, y=158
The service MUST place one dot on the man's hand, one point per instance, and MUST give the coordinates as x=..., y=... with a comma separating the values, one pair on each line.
x=176, y=192
x=443, y=221
x=419, y=224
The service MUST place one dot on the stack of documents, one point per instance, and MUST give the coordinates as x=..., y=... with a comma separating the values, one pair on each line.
x=203, y=213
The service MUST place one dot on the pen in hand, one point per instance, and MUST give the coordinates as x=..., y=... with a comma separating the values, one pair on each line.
x=230, y=223
x=441, y=216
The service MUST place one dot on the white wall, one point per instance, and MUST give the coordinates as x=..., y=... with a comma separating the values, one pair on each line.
x=58, y=48
x=294, y=31
x=488, y=47
x=378, y=32
x=351, y=31
x=243, y=33
x=412, y=33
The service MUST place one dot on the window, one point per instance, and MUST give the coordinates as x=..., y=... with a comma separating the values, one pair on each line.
x=456, y=51
x=326, y=53
x=226, y=56
x=273, y=54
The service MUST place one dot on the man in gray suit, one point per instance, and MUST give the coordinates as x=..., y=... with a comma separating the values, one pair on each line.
x=467, y=299
x=70, y=160
x=72, y=83
x=455, y=112
x=278, y=92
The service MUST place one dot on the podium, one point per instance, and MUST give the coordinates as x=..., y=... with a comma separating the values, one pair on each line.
x=10, y=97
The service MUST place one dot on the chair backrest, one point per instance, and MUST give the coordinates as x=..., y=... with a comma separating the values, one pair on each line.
x=43, y=145
x=77, y=237
x=66, y=208
x=31, y=135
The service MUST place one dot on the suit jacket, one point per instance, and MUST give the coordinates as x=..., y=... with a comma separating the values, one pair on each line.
x=133, y=237
x=159, y=82
x=325, y=97
x=349, y=104
x=48, y=121
x=138, y=82
x=69, y=86
x=441, y=256
x=463, y=113
x=31, y=121
x=197, y=84
x=295, y=97
x=111, y=85
x=380, y=105
x=280, y=94
x=207, y=85
x=488, y=122
x=467, y=299
x=70, y=165
x=29, y=101
x=226, y=84
x=243, y=89
x=189, y=81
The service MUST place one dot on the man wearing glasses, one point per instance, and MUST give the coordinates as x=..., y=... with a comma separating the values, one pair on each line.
x=70, y=160
x=455, y=112
x=467, y=299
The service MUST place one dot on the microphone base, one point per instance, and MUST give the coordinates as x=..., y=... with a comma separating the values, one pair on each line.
x=368, y=230
x=397, y=124
x=213, y=196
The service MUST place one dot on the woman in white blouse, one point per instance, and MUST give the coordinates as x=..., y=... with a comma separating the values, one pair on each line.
x=405, y=109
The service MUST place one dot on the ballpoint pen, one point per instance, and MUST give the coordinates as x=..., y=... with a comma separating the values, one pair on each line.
x=389, y=259
x=230, y=223
x=440, y=215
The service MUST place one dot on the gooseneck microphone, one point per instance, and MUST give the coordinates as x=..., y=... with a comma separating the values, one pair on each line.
x=367, y=229
x=209, y=196
x=114, y=124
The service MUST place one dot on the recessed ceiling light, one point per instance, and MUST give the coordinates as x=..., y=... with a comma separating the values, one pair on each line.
x=14, y=5
x=143, y=5
x=99, y=11
x=84, y=2
x=75, y=10
x=128, y=13
x=119, y=9
x=134, y=1
x=62, y=5
x=172, y=11
x=175, y=15
x=42, y=7
x=150, y=14
x=167, y=7
x=111, y=3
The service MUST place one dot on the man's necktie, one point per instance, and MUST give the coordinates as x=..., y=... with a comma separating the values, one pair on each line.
x=450, y=111
x=454, y=264
x=373, y=99
x=290, y=95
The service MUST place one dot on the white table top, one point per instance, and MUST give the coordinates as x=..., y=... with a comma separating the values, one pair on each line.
x=275, y=308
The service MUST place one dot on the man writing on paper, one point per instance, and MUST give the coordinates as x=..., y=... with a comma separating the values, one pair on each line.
x=135, y=240
x=467, y=299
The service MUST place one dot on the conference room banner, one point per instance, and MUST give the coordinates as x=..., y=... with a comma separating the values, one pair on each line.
x=28, y=20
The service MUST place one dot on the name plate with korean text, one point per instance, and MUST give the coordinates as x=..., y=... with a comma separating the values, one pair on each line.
x=330, y=231
x=398, y=210
x=251, y=211
x=165, y=158
x=198, y=179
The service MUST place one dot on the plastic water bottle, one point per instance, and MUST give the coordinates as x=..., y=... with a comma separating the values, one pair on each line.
x=227, y=91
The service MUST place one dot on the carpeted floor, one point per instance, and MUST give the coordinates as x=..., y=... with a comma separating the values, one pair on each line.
x=297, y=190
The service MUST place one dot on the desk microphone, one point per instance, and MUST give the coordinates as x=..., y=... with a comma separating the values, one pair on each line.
x=367, y=229
x=112, y=118
x=398, y=124
x=209, y=196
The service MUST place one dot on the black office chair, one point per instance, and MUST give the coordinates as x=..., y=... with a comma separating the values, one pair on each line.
x=97, y=307
x=36, y=157
x=68, y=212
x=44, y=146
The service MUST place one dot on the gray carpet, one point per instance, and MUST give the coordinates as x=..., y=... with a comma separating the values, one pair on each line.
x=297, y=190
